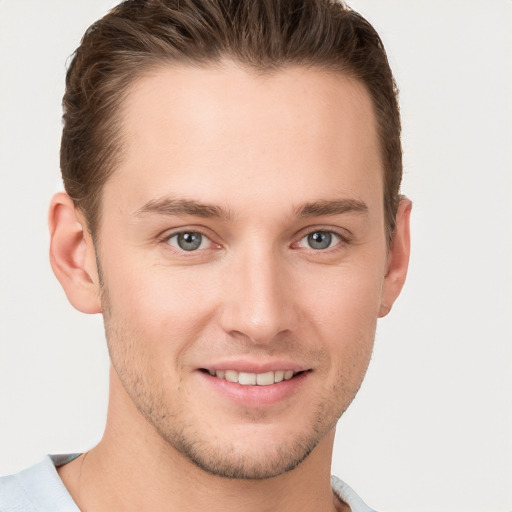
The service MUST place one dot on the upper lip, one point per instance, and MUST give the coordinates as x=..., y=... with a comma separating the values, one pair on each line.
x=256, y=367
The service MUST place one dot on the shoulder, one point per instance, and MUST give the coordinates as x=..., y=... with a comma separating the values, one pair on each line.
x=349, y=496
x=37, y=489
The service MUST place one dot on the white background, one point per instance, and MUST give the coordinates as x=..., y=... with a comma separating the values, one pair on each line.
x=432, y=427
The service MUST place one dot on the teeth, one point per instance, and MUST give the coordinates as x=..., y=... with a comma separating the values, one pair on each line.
x=253, y=379
x=264, y=379
x=247, y=379
x=231, y=376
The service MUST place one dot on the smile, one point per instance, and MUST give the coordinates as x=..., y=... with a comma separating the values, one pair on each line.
x=253, y=379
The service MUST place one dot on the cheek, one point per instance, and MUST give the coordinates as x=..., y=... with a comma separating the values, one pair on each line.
x=345, y=317
x=346, y=298
x=163, y=307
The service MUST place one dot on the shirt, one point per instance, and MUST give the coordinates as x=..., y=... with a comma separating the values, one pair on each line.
x=40, y=489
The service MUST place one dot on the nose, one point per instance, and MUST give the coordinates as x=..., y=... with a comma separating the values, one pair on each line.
x=258, y=299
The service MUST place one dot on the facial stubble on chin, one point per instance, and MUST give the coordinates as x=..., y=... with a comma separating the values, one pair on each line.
x=221, y=459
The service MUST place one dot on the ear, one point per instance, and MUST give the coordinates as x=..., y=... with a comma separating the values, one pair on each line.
x=398, y=258
x=72, y=255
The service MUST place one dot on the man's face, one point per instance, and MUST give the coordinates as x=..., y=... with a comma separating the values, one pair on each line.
x=243, y=235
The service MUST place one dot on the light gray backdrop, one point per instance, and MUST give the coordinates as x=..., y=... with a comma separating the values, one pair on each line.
x=431, y=429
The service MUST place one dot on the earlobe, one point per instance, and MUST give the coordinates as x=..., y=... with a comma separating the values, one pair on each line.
x=72, y=255
x=398, y=258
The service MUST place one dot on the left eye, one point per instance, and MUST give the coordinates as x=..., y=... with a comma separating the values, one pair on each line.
x=320, y=240
x=188, y=241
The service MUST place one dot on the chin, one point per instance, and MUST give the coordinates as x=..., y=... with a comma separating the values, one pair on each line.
x=255, y=461
x=245, y=451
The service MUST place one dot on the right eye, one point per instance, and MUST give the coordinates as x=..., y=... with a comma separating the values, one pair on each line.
x=189, y=241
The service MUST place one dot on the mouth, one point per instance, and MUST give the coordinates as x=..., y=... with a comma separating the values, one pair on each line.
x=253, y=379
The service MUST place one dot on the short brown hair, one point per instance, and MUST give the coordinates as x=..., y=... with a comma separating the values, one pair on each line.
x=265, y=35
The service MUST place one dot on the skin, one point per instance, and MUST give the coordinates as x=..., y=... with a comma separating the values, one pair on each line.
x=275, y=158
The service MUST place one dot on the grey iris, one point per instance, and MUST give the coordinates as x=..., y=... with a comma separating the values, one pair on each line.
x=189, y=241
x=320, y=239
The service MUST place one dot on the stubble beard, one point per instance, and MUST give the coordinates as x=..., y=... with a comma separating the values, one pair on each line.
x=226, y=459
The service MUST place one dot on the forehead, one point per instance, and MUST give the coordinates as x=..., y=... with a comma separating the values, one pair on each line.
x=211, y=131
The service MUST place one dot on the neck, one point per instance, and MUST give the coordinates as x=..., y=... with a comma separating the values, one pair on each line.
x=133, y=468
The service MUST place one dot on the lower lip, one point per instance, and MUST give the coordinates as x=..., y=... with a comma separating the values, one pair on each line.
x=256, y=396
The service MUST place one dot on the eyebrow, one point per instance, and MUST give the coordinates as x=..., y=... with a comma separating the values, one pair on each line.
x=333, y=207
x=174, y=207
x=171, y=207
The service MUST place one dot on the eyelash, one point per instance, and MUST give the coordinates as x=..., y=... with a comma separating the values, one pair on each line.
x=342, y=241
x=168, y=237
x=333, y=237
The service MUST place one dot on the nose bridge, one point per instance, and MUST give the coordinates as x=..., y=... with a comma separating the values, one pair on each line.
x=258, y=300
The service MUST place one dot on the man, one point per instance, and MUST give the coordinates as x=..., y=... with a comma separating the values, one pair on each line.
x=232, y=208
